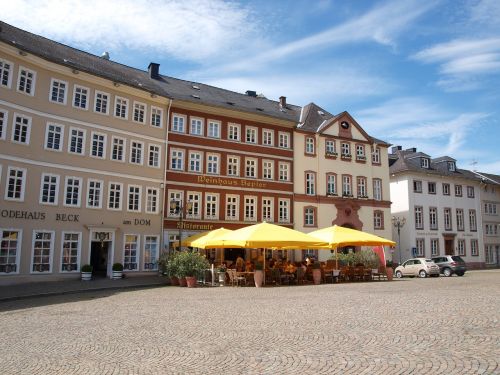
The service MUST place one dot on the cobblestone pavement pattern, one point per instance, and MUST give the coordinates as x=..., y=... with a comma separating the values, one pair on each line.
x=411, y=326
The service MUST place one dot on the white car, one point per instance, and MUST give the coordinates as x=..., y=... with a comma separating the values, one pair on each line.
x=420, y=267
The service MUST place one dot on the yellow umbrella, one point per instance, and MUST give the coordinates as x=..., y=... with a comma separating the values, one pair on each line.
x=337, y=236
x=201, y=242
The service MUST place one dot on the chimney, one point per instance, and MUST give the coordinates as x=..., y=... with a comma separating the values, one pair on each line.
x=396, y=149
x=283, y=101
x=154, y=70
x=412, y=149
x=105, y=55
x=251, y=93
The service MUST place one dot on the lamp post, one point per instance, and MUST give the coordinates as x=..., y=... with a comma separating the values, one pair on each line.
x=177, y=208
x=399, y=223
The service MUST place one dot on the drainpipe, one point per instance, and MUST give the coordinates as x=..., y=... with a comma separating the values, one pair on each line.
x=162, y=234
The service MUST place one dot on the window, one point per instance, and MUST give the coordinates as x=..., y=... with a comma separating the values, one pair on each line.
x=5, y=76
x=58, y=91
x=489, y=254
x=284, y=210
x=360, y=152
x=211, y=206
x=378, y=220
x=70, y=252
x=345, y=149
x=178, y=124
x=250, y=209
x=234, y=132
x=346, y=186
x=72, y=190
x=101, y=102
x=232, y=206
x=309, y=214
x=451, y=166
x=26, y=81
x=420, y=247
x=212, y=164
x=310, y=183
x=80, y=97
x=136, y=152
x=461, y=247
x=267, y=137
x=251, y=135
x=447, y=219
x=417, y=186
x=361, y=184
x=177, y=160
x=233, y=166
x=433, y=218
x=309, y=145
x=3, y=123
x=156, y=117
x=118, y=149
x=98, y=145
x=134, y=198
x=376, y=155
x=76, y=141
x=431, y=187
x=22, y=127
x=151, y=253
x=49, y=189
x=491, y=229
x=331, y=184
x=214, y=129
x=43, y=245
x=434, y=247
x=131, y=252
x=490, y=208
x=16, y=183
x=115, y=196
x=284, y=169
x=139, y=113
x=330, y=148
x=152, y=196
x=472, y=220
x=458, y=190
x=267, y=209
x=94, y=194
x=10, y=249
x=154, y=156
x=251, y=168
x=419, y=223
x=377, y=189
x=195, y=161
x=121, y=107
x=424, y=163
x=194, y=209
x=460, y=219
x=53, y=137
x=196, y=126
x=470, y=191
x=474, y=248
x=267, y=169
x=284, y=140
x=177, y=197
x=446, y=189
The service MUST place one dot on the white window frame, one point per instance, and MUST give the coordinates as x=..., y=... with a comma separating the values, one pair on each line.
x=54, y=81
x=474, y=247
x=201, y=125
x=269, y=207
x=56, y=190
x=310, y=179
x=473, y=220
x=51, y=254
x=70, y=138
x=268, y=171
x=197, y=162
x=345, y=148
x=139, y=200
x=230, y=163
x=268, y=134
x=101, y=193
x=18, y=248
x=330, y=147
x=179, y=158
x=174, y=196
x=377, y=189
x=153, y=264
x=123, y=146
x=137, y=107
x=376, y=155
x=137, y=251
x=284, y=140
x=23, y=184
x=179, y=127
x=61, y=137
x=283, y=206
x=156, y=151
x=124, y=102
x=419, y=217
x=10, y=72
x=433, y=218
x=113, y=200
x=420, y=247
x=216, y=203
x=87, y=97
x=212, y=125
x=284, y=170
x=461, y=249
x=310, y=147
x=141, y=149
x=194, y=198
x=80, y=191
x=448, y=221
x=78, y=251
x=4, y=124
x=434, y=247
x=236, y=205
x=424, y=163
x=309, y=216
x=249, y=204
x=378, y=219
x=108, y=100
x=105, y=138
x=360, y=152
x=156, y=111
x=32, y=84
x=156, y=195
x=251, y=168
x=331, y=182
x=209, y=162
x=253, y=132
x=346, y=185
x=361, y=186
x=27, y=125
x=230, y=132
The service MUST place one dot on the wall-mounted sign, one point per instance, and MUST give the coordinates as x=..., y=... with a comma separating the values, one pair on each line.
x=193, y=226
x=146, y=222
x=230, y=182
x=26, y=215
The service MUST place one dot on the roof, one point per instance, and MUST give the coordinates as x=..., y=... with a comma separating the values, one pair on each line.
x=492, y=178
x=164, y=86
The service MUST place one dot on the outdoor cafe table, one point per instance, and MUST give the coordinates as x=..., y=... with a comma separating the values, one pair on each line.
x=247, y=274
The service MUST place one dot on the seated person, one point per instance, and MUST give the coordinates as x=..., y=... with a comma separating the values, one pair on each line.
x=290, y=268
x=240, y=264
x=249, y=267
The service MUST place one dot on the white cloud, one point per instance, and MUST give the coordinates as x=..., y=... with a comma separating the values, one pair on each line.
x=187, y=30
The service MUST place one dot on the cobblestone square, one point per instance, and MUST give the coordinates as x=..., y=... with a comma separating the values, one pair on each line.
x=410, y=326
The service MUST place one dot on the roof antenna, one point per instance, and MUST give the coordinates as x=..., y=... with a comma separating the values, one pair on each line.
x=474, y=163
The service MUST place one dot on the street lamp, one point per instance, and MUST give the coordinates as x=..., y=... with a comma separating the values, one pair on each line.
x=177, y=208
x=399, y=222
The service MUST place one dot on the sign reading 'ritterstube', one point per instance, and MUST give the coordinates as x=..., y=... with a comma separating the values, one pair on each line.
x=230, y=182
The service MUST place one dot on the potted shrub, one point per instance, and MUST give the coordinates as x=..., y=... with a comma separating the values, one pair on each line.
x=222, y=274
x=117, y=271
x=86, y=272
x=258, y=275
x=169, y=267
x=316, y=272
x=190, y=266
x=388, y=270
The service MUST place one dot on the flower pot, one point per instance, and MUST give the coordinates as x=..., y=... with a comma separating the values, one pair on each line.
x=222, y=278
x=117, y=275
x=191, y=281
x=86, y=276
x=182, y=281
x=316, y=276
x=390, y=273
x=258, y=277
x=174, y=280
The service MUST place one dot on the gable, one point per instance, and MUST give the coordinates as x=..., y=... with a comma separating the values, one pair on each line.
x=344, y=126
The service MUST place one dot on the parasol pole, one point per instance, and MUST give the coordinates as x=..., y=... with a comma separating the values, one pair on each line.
x=336, y=259
x=264, y=267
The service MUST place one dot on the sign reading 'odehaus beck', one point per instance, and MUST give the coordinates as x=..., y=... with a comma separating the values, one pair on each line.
x=36, y=215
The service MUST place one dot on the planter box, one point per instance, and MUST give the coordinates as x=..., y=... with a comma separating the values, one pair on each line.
x=117, y=275
x=86, y=276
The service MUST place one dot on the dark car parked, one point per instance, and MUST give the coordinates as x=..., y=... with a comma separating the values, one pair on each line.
x=450, y=264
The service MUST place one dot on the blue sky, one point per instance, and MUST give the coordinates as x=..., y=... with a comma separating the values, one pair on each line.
x=415, y=73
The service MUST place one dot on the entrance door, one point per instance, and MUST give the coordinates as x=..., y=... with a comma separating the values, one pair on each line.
x=448, y=247
x=99, y=258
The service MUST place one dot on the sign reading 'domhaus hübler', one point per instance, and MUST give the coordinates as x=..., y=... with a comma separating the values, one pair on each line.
x=230, y=182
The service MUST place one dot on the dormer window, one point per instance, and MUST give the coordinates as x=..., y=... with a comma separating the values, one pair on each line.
x=424, y=162
x=451, y=166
